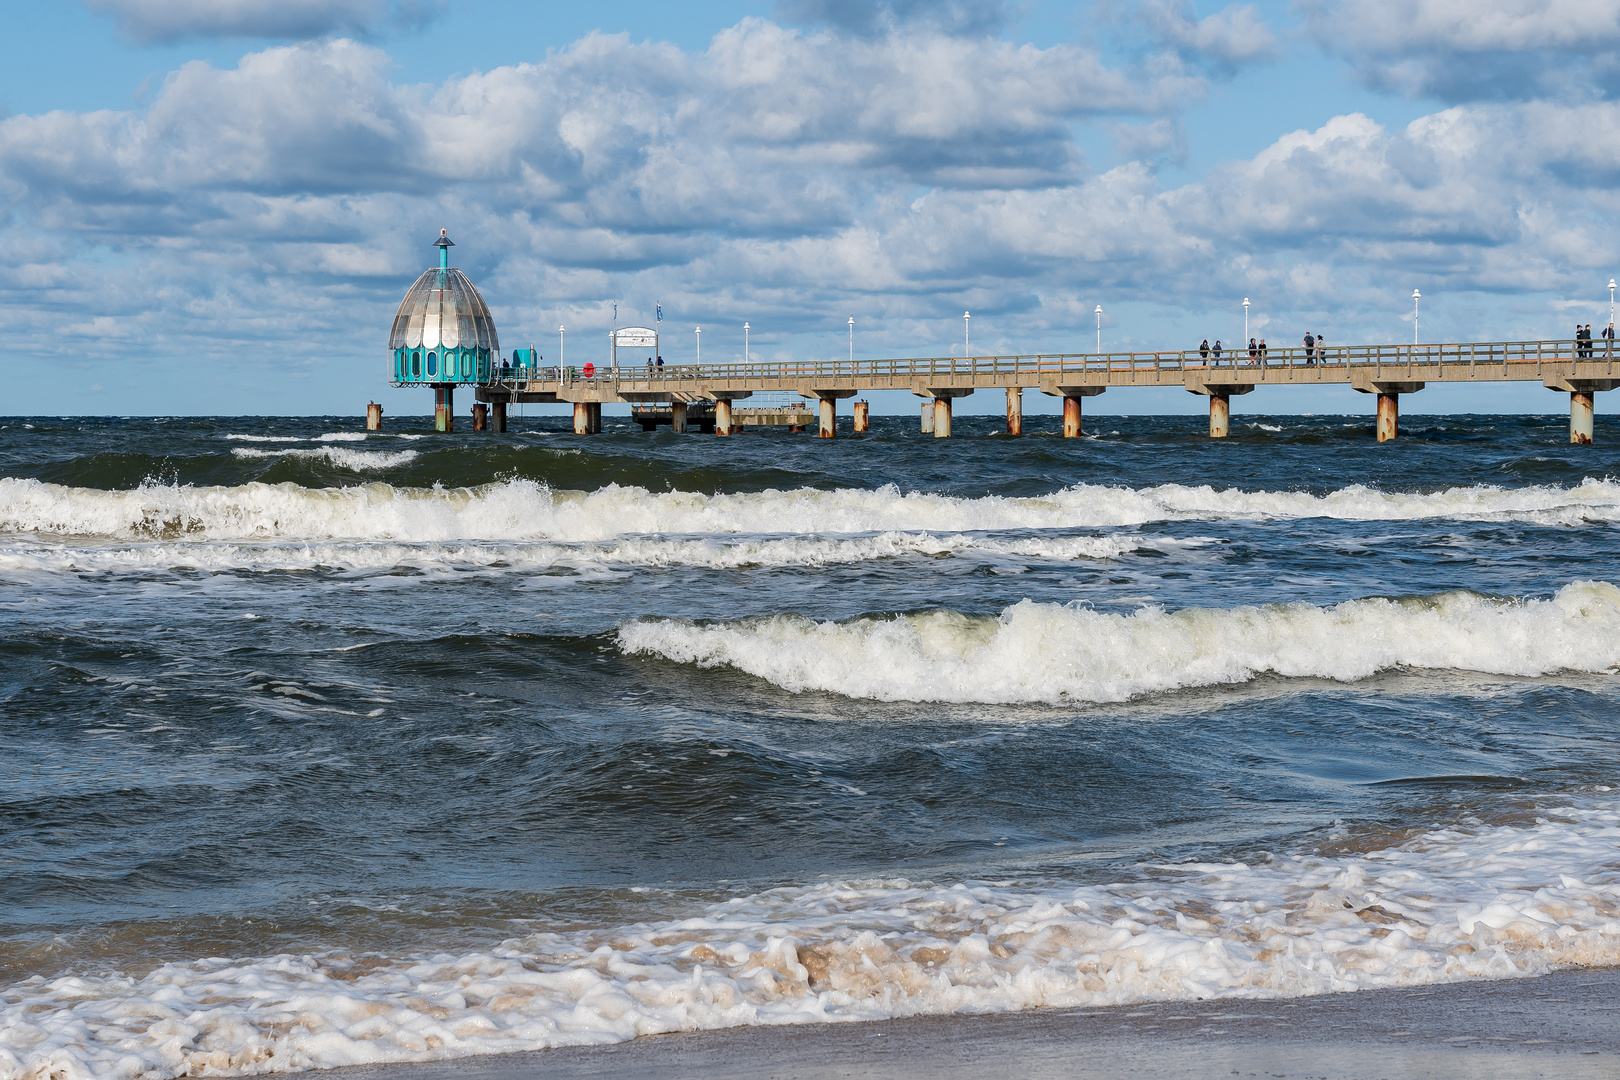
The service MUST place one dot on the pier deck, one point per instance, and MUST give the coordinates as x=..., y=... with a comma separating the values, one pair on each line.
x=1578, y=368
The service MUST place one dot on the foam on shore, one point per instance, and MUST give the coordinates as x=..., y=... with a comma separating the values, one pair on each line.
x=1454, y=903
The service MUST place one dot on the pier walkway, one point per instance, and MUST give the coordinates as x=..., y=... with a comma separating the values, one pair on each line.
x=1578, y=368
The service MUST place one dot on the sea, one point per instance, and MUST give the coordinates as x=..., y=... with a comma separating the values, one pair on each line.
x=321, y=747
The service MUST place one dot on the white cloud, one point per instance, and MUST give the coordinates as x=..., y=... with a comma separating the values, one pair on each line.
x=778, y=174
x=1231, y=37
x=1473, y=49
x=171, y=20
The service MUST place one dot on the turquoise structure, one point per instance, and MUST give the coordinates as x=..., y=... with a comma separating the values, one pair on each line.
x=443, y=335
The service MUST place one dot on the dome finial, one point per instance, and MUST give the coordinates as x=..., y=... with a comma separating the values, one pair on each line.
x=444, y=244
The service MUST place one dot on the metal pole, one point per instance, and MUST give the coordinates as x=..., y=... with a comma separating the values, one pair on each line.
x=852, y=341
x=699, y=332
x=966, y=351
x=1416, y=296
x=559, y=352
x=1611, y=301
x=745, y=343
x=1099, y=329
x=1245, y=321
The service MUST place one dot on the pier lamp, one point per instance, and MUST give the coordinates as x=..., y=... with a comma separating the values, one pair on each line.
x=1611, y=301
x=966, y=351
x=1099, y=329
x=697, y=331
x=852, y=339
x=1416, y=296
x=745, y=343
x=560, y=357
x=1245, y=320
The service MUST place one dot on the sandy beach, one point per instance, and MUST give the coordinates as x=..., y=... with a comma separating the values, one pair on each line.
x=1560, y=1025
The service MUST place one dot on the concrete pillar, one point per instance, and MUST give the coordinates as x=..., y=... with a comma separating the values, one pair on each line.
x=677, y=417
x=1389, y=416
x=593, y=416
x=498, y=421
x=1580, y=417
x=480, y=417
x=1071, y=418
x=374, y=417
x=942, y=418
x=582, y=418
x=829, y=418
x=1220, y=416
x=1015, y=410
x=722, y=416
x=863, y=416
x=444, y=408
x=928, y=417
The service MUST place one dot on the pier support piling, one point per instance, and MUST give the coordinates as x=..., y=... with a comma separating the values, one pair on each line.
x=498, y=417
x=444, y=408
x=1220, y=416
x=1580, y=417
x=480, y=417
x=677, y=417
x=582, y=418
x=593, y=411
x=927, y=418
x=1389, y=402
x=374, y=417
x=1071, y=417
x=722, y=416
x=1015, y=410
x=1389, y=416
x=829, y=418
x=942, y=418
x=863, y=416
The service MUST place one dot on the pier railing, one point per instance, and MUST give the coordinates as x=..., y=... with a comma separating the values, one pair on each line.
x=1035, y=365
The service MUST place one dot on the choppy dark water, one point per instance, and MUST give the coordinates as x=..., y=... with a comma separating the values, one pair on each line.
x=271, y=688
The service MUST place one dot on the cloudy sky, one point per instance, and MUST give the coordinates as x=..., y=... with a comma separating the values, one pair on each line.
x=214, y=206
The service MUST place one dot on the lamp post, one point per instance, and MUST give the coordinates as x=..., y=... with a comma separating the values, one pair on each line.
x=1099, y=329
x=560, y=333
x=1245, y=320
x=745, y=343
x=1611, y=301
x=698, y=331
x=852, y=341
x=966, y=350
x=1416, y=296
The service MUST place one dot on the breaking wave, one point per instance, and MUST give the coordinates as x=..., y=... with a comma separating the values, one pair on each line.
x=1450, y=904
x=342, y=457
x=525, y=510
x=1044, y=652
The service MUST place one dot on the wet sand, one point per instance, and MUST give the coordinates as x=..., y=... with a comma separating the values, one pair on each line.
x=1561, y=1025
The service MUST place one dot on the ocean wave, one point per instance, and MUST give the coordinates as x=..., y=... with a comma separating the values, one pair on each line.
x=525, y=510
x=23, y=559
x=343, y=458
x=1452, y=904
x=1045, y=652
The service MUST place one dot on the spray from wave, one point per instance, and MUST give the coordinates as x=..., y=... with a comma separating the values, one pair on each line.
x=1043, y=652
x=526, y=510
x=1452, y=904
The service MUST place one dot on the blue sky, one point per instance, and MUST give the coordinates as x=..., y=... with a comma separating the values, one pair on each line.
x=213, y=206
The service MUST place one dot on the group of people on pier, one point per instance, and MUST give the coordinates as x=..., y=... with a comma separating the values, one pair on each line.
x=1314, y=350
x=1583, y=340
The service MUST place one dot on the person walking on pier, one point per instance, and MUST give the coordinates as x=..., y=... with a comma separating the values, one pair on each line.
x=1608, y=339
x=1254, y=352
x=1203, y=350
x=1217, y=352
x=1587, y=337
x=1262, y=352
x=1310, y=349
x=1580, y=342
x=1321, y=348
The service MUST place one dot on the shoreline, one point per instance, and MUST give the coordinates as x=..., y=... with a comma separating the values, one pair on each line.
x=1564, y=1024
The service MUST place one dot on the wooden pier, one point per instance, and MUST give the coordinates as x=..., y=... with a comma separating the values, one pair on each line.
x=1578, y=368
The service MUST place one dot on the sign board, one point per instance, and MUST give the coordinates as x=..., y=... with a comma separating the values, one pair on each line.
x=636, y=337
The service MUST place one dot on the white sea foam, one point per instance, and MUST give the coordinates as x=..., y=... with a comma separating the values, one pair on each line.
x=1452, y=904
x=343, y=458
x=525, y=510
x=1043, y=652
x=267, y=438
x=17, y=560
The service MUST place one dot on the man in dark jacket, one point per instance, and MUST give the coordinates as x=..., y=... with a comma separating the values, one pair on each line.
x=1310, y=349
